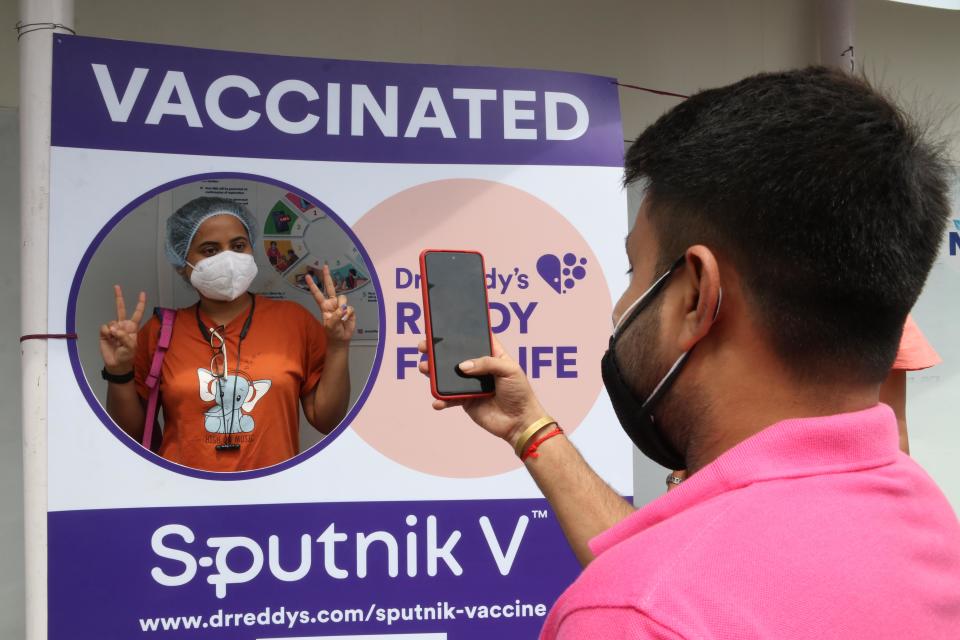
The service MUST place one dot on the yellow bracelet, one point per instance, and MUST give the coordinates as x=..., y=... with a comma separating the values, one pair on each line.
x=531, y=431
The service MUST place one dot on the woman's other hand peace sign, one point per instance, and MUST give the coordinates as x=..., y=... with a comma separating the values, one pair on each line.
x=339, y=319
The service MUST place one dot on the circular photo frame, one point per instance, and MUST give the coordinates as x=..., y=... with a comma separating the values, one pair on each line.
x=308, y=226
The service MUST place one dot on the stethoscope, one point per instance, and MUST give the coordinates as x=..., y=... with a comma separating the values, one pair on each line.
x=214, y=333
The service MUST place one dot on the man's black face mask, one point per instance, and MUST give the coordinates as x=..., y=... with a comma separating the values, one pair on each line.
x=636, y=414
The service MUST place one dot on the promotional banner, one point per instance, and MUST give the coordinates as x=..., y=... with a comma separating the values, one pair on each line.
x=403, y=522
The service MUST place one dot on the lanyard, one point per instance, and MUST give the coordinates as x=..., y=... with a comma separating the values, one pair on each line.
x=208, y=335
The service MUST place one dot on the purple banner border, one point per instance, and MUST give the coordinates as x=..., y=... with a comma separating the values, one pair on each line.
x=80, y=117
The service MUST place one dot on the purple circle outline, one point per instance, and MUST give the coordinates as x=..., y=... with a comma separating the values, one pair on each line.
x=136, y=447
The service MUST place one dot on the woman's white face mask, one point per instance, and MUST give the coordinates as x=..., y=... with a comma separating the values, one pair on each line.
x=225, y=276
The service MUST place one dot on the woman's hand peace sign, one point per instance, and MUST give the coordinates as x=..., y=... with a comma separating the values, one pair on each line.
x=339, y=319
x=118, y=338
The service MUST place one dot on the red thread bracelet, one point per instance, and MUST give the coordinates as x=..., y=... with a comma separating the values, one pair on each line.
x=531, y=451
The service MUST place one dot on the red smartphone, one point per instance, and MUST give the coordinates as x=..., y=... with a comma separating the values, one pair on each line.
x=457, y=320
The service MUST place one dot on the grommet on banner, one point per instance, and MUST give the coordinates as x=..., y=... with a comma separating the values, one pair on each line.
x=48, y=336
x=23, y=29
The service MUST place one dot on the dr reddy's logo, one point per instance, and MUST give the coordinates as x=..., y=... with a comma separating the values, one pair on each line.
x=955, y=239
x=561, y=276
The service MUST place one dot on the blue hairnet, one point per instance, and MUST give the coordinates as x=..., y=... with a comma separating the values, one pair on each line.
x=183, y=224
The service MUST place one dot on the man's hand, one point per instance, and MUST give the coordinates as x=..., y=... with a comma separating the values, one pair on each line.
x=675, y=478
x=585, y=505
x=339, y=320
x=511, y=409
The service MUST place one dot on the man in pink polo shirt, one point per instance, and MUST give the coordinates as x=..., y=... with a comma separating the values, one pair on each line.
x=789, y=224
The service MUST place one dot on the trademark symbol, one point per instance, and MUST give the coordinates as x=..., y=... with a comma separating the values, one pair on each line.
x=540, y=514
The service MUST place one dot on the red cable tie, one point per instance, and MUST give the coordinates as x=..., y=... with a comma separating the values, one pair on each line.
x=648, y=90
x=531, y=451
x=48, y=336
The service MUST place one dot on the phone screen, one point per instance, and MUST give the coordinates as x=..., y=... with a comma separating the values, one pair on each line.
x=459, y=320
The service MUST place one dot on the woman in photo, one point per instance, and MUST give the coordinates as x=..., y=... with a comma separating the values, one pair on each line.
x=239, y=365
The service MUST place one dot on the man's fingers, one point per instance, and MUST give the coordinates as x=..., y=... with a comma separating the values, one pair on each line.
x=422, y=346
x=675, y=478
x=498, y=351
x=138, y=312
x=424, y=367
x=121, y=307
x=500, y=367
x=440, y=405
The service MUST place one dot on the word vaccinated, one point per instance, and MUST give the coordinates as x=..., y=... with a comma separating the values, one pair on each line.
x=237, y=103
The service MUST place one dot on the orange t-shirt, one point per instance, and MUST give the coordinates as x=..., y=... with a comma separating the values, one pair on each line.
x=281, y=359
x=915, y=352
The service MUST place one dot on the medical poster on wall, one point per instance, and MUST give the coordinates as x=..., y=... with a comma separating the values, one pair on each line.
x=403, y=521
x=296, y=238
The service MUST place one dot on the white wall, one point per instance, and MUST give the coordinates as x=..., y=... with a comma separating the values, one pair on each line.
x=913, y=52
x=681, y=45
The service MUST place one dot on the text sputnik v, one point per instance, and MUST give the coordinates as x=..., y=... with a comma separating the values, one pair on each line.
x=522, y=111
x=537, y=361
x=240, y=559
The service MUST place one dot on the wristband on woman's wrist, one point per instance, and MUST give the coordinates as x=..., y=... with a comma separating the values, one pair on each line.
x=122, y=378
x=529, y=432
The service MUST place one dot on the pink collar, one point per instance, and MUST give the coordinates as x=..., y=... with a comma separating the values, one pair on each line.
x=792, y=448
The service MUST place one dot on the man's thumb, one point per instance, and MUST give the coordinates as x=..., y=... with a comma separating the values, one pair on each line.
x=500, y=367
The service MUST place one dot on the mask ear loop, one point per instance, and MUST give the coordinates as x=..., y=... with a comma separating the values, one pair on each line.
x=675, y=369
x=637, y=305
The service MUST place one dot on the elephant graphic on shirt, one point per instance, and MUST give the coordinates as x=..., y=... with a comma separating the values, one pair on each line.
x=235, y=397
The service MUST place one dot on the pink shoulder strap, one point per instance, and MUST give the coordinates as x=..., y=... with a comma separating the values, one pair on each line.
x=153, y=377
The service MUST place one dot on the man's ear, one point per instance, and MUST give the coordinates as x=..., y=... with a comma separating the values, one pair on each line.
x=701, y=299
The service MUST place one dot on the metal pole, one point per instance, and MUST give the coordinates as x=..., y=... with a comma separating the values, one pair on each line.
x=36, y=54
x=835, y=29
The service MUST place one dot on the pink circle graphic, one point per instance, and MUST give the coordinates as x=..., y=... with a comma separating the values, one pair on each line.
x=558, y=333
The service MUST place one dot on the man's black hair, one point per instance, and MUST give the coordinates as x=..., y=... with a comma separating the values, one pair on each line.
x=824, y=196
